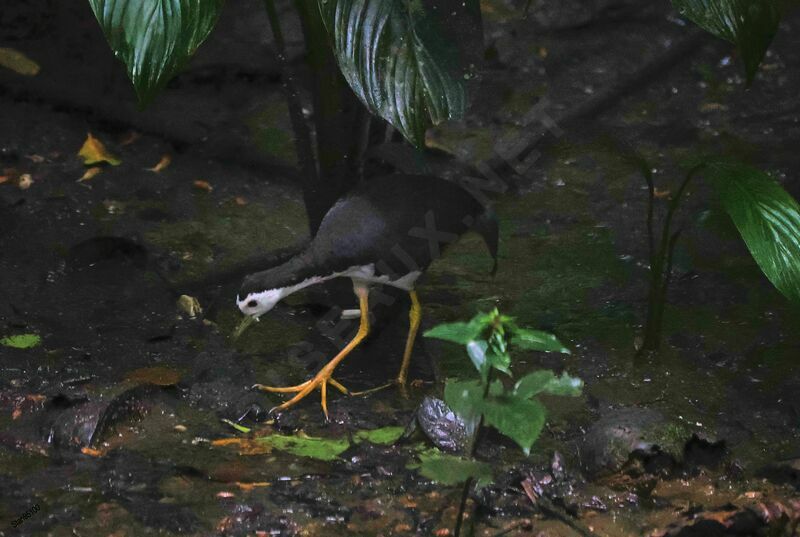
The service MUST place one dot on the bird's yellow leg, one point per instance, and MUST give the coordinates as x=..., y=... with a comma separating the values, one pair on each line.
x=322, y=378
x=414, y=316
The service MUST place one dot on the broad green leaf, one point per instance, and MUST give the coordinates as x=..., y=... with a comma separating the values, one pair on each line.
x=749, y=24
x=384, y=435
x=451, y=470
x=519, y=419
x=326, y=449
x=768, y=219
x=21, y=341
x=465, y=398
x=462, y=333
x=407, y=60
x=155, y=38
x=533, y=383
x=477, y=353
x=547, y=382
x=536, y=340
x=500, y=361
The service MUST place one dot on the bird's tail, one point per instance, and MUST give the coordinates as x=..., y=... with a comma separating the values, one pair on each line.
x=487, y=227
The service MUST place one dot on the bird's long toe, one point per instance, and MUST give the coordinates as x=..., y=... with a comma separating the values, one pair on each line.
x=320, y=381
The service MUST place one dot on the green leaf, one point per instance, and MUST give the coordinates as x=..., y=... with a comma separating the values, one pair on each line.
x=477, y=353
x=536, y=340
x=240, y=428
x=500, y=361
x=452, y=470
x=407, y=60
x=21, y=341
x=462, y=333
x=749, y=24
x=384, y=435
x=325, y=449
x=547, y=382
x=768, y=219
x=533, y=383
x=522, y=420
x=155, y=38
x=465, y=398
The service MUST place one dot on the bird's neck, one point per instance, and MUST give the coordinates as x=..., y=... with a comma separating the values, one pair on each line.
x=295, y=274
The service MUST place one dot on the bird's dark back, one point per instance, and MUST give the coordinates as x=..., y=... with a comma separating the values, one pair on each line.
x=399, y=222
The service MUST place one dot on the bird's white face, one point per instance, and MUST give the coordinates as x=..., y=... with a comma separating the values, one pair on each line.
x=257, y=304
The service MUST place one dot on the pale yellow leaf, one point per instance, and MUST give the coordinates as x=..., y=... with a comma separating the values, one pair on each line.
x=18, y=62
x=94, y=152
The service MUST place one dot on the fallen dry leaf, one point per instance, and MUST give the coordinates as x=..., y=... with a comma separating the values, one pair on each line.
x=158, y=375
x=163, y=163
x=723, y=517
x=92, y=452
x=38, y=159
x=4, y=179
x=18, y=62
x=240, y=201
x=713, y=107
x=203, y=185
x=247, y=446
x=90, y=173
x=129, y=138
x=251, y=486
x=27, y=403
x=661, y=194
x=94, y=152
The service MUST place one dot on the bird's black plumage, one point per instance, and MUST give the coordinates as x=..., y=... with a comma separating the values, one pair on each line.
x=399, y=223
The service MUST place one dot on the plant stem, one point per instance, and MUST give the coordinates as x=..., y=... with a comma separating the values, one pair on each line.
x=472, y=448
x=302, y=134
x=462, y=506
x=661, y=262
x=336, y=112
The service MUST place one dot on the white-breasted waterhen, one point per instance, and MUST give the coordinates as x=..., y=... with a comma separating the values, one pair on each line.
x=386, y=232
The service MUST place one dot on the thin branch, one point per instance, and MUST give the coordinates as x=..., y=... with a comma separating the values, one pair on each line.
x=361, y=144
x=648, y=176
x=668, y=270
x=673, y=207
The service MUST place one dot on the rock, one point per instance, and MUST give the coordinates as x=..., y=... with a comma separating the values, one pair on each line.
x=447, y=430
x=621, y=433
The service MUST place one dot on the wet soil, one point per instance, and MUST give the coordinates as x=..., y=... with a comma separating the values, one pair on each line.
x=113, y=424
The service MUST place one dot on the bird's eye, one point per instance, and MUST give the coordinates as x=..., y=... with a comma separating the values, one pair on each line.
x=252, y=304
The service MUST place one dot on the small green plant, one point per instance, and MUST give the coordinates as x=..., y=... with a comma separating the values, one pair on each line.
x=486, y=401
x=766, y=216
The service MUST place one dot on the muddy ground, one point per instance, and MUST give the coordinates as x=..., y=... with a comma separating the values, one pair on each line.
x=112, y=424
